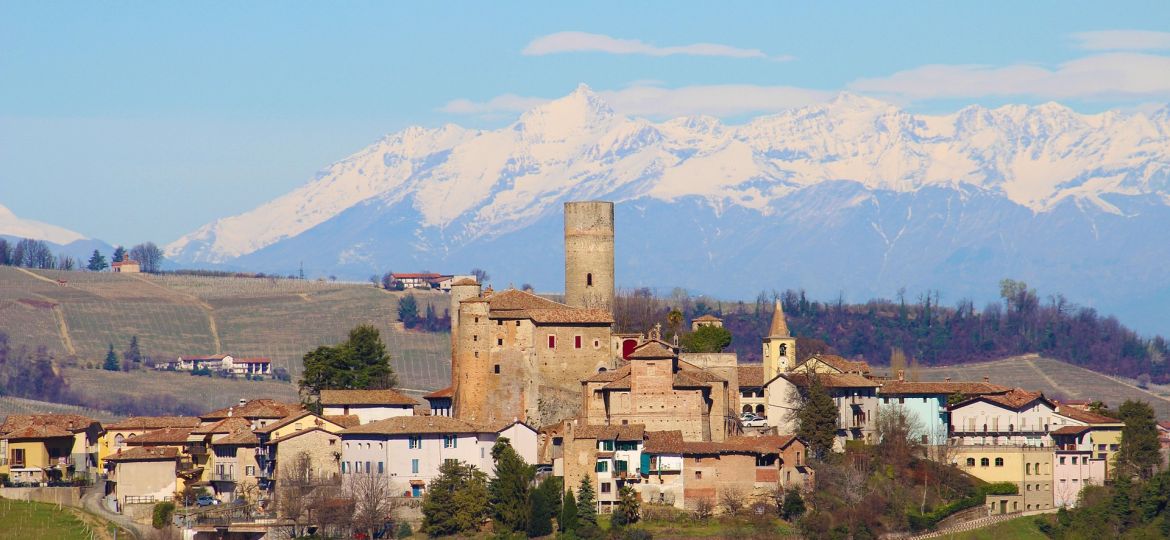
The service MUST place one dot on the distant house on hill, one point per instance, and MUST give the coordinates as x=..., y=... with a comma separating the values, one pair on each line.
x=224, y=363
x=247, y=366
x=126, y=266
x=428, y=280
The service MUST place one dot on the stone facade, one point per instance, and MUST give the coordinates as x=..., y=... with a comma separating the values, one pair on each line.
x=589, y=275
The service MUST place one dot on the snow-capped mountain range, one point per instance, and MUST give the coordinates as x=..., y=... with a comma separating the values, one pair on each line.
x=853, y=195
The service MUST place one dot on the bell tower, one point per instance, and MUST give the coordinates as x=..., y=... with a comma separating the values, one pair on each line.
x=779, y=346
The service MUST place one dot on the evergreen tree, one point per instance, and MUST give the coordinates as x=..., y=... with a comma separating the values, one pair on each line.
x=628, y=510
x=408, y=310
x=132, y=355
x=586, y=503
x=111, y=363
x=360, y=362
x=539, y=514
x=708, y=339
x=456, y=500
x=510, y=488
x=793, y=506
x=817, y=419
x=97, y=262
x=567, y=521
x=1140, y=451
x=119, y=254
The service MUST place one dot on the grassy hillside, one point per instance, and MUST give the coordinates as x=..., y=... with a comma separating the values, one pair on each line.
x=23, y=520
x=77, y=314
x=1053, y=377
x=14, y=405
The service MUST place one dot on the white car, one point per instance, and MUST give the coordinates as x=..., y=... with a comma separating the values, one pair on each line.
x=751, y=420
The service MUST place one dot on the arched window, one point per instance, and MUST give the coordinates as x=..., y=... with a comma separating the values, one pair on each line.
x=589, y=279
x=1011, y=427
x=983, y=462
x=999, y=462
x=118, y=440
x=970, y=462
x=760, y=410
x=747, y=408
x=783, y=349
x=1027, y=468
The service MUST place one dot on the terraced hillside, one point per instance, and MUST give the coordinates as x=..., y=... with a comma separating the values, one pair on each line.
x=1054, y=378
x=14, y=405
x=78, y=314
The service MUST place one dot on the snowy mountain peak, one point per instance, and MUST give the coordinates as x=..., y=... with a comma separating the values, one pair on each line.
x=12, y=225
x=851, y=101
x=581, y=110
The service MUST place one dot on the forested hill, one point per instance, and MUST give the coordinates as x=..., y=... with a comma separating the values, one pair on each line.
x=929, y=333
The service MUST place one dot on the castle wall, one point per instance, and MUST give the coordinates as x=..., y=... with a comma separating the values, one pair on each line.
x=589, y=254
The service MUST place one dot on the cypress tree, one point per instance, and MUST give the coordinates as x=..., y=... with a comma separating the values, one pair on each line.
x=567, y=521
x=818, y=418
x=510, y=488
x=111, y=360
x=540, y=515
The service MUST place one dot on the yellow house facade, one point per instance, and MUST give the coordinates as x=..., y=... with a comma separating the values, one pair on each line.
x=116, y=434
x=1028, y=467
x=48, y=447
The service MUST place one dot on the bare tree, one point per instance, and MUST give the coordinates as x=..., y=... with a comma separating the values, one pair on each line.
x=733, y=500
x=294, y=493
x=374, y=501
x=704, y=507
x=149, y=257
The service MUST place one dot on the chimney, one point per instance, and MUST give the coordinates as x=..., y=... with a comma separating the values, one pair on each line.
x=986, y=379
x=947, y=379
x=243, y=401
x=901, y=375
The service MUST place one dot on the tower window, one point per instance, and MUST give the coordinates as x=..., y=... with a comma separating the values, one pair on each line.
x=475, y=337
x=576, y=342
x=499, y=341
x=552, y=342
x=589, y=279
x=497, y=368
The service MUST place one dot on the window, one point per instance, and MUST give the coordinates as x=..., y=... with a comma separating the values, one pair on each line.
x=552, y=342
x=450, y=461
x=477, y=319
x=368, y=470
x=576, y=342
x=596, y=343
x=119, y=440
x=1114, y=447
x=627, y=445
x=381, y=469
x=605, y=487
x=250, y=470
x=699, y=474
x=901, y=400
x=1062, y=460
x=589, y=279
x=344, y=467
x=605, y=446
x=497, y=369
x=477, y=354
x=999, y=462
x=414, y=466
x=499, y=322
x=1101, y=447
x=1074, y=460
x=415, y=442
x=500, y=341
x=450, y=441
x=983, y=462
x=517, y=323
x=1027, y=468
x=602, y=466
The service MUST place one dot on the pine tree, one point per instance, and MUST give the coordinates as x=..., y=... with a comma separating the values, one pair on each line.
x=111, y=360
x=510, y=488
x=793, y=505
x=1139, y=452
x=818, y=419
x=586, y=503
x=408, y=310
x=132, y=355
x=567, y=521
x=539, y=515
x=119, y=254
x=455, y=501
x=361, y=362
x=97, y=262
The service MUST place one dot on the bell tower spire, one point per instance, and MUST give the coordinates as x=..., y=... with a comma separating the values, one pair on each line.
x=779, y=345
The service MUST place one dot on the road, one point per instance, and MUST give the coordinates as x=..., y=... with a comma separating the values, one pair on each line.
x=92, y=502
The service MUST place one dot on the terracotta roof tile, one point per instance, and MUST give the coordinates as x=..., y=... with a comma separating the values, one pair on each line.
x=227, y=425
x=145, y=453
x=310, y=418
x=441, y=393
x=514, y=304
x=652, y=350
x=296, y=434
x=256, y=408
x=840, y=364
x=409, y=425
x=1015, y=398
x=609, y=375
x=365, y=397
x=344, y=420
x=628, y=432
x=162, y=436
x=72, y=423
x=706, y=318
x=751, y=376
x=463, y=281
x=1085, y=416
x=672, y=443
x=35, y=431
x=153, y=422
x=1071, y=430
x=944, y=387
x=832, y=380
x=243, y=437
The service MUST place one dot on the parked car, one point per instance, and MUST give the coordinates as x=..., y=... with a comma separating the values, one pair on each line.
x=751, y=420
x=206, y=500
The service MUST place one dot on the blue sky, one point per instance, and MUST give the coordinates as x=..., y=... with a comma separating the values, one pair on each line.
x=142, y=121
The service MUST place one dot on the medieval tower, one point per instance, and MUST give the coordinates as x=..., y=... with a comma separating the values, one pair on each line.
x=779, y=346
x=589, y=277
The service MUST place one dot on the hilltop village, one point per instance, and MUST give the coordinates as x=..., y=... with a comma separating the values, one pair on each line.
x=627, y=413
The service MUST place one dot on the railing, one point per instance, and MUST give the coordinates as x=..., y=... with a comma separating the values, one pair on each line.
x=224, y=477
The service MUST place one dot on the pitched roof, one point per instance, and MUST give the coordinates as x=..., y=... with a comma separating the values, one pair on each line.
x=750, y=376
x=652, y=350
x=447, y=392
x=71, y=423
x=296, y=434
x=838, y=363
x=1015, y=398
x=1081, y=415
x=145, y=453
x=171, y=435
x=410, y=425
x=779, y=326
x=292, y=418
x=463, y=281
x=830, y=380
x=153, y=422
x=609, y=375
x=628, y=432
x=671, y=442
x=344, y=420
x=205, y=358
x=1164, y=425
x=256, y=408
x=251, y=361
x=36, y=431
x=514, y=304
x=365, y=397
x=943, y=387
x=570, y=316
x=706, y=318
x=227, y=425
x=241, y=437
x=1071, y=430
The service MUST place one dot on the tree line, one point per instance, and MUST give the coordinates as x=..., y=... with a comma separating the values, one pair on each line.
x=29, y=253
x=926, y=331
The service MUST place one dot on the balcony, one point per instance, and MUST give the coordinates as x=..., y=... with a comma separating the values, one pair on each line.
x=197, y=450
x=223, y=477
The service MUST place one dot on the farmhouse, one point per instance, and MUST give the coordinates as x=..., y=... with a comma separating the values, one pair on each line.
x=126, y=266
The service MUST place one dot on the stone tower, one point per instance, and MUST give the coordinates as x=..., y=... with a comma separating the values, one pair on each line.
x=589, y=276
x=779, y=346
x=462, y=289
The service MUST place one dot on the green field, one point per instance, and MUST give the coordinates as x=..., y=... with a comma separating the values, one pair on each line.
x=1053, y=377
x=27, y=520
x=1023, y=528
x=76, y=315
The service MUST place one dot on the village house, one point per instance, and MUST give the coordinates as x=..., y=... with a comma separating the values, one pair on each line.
x=706, y=320
x=125, y=266
x=855, y=397
x=192, y=363
x=682, y=473
x=188, y=471
x=1075, y=465
x=751, y=391
x=247, y=366
x=439, y=402
x=48, y=447
x=658, y=391
x=408, y=450
x=282, y=442
x=116, y=434
x=927, y=402
x=367, y=405
x=225, y=450
x=1102, y=434
x=258, y=412
x=142, y=475
x=610, y=455
x=425, y=280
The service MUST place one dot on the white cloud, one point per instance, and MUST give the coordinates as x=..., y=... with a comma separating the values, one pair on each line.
x=564, y=42
x=1105, y=76
x=1122, y=40
x=652, y=101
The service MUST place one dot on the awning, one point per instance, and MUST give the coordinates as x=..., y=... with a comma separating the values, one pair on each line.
x=419, y=483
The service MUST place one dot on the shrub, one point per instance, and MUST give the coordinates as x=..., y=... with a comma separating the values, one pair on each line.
x=162, y=514
x=404, y=530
